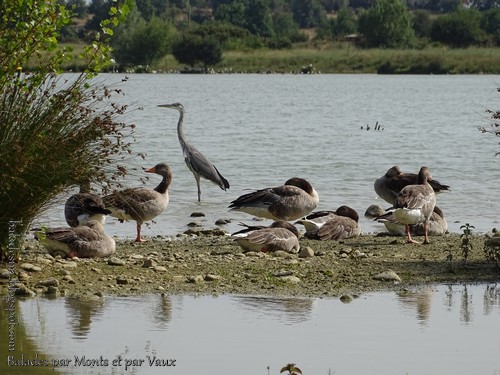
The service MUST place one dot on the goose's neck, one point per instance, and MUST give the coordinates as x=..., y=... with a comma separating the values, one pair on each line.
x=163, y=185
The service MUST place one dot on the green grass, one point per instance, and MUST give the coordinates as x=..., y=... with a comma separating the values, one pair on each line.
x=346, y=58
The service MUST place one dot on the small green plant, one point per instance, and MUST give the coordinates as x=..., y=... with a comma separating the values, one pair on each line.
x=292, y=369
x=466, y=237
x=492, y=250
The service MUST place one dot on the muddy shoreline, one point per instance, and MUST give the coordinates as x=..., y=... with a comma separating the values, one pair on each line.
x=210, y=263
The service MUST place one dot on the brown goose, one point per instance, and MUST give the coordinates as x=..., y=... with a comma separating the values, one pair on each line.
x=291, y=201
x=87, y=241
x=389, y=185
x=141, y=204
x=415, y=204
x=437, y=224
x=280, y=235
x=332, y=225
x=82, y=207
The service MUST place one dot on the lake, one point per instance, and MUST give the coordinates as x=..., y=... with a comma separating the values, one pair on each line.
x=260, y=130
x=442, y=329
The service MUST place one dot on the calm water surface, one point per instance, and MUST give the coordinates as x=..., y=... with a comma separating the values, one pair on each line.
x=437, y=330
x=260, y=130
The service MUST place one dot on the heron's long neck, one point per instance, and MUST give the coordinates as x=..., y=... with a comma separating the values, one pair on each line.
x=180, y=132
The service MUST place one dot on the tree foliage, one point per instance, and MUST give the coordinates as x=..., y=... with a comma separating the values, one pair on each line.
x=140, y=41
x=387, y=24
x=54, y=132
x=460, y=28
x=192, y=49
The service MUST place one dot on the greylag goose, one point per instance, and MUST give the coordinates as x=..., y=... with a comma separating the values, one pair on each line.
x=141, y=204
x=389, y=185
x=291, y=201
x=86, y=241
x=197, y=163
x=280, y=235
x=437, y=224
x=332, y=225
x=415, y=204
x=82, y=207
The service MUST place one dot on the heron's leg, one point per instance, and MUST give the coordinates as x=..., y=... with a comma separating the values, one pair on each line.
x=198, y=186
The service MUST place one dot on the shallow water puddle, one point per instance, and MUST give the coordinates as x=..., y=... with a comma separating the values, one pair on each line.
x=435, y=330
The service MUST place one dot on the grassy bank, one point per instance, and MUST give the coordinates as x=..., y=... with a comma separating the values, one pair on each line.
x=340, y=58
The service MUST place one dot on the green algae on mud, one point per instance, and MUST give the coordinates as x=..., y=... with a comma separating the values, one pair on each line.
x=214, y=264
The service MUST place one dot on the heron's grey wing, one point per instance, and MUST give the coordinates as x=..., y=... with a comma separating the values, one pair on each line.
x=200, y=165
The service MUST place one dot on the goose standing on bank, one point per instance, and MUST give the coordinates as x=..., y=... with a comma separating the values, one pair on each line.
x=86, y=241
x=394, y=180
x=197, y=163
x=332, y=225
x=437, y=224
x=82, y=207
x=141, y=204
x=291, y=201
x=280, y=235
x=415, y=204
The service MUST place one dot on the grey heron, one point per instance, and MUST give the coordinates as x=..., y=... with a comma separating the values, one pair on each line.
x=197, y=163
x=141, y=204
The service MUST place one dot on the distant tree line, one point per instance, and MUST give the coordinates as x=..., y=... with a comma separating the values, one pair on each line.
x=198, y=31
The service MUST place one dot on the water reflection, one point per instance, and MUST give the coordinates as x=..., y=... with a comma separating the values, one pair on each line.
x=287, y=310
x=420, y=300
x=79, y=315
x=219, y=334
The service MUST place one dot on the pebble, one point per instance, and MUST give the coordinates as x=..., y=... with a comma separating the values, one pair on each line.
x=53, y=291
x=121, y=280
x=195, y=279
x=290, y=279
x=178, y=278
x=195, y=224
x=306, y=252
x=5, y=273
x=64, y=272
x=49, y=282
x=24, y=291
x=69, y=279
x=70, y=265
x=160, y=269
x=148, y=263
x=197, y=214
x=211, y=277
x=283, y=273
x=222, y=221
x=388, y=275
x=30, y=267
x=346, y=298
x=44, y=261
x=113, y=261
